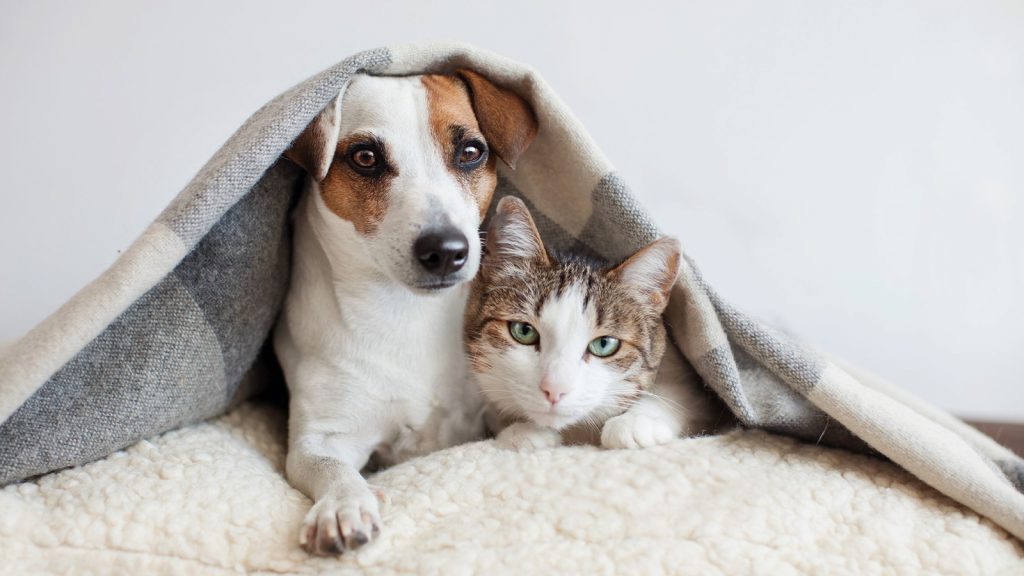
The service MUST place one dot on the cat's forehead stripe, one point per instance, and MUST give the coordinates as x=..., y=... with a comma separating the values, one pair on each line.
x=563, y=277
x=586, y=298
x=566, y=323
x=568, y=287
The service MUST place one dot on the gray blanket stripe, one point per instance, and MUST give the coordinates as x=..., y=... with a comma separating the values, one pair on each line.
x=797, y=366
x=1014, y=471
x=719, y=371
x=619, y=225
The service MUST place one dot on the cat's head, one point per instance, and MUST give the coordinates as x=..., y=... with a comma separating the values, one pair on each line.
x=558, y=340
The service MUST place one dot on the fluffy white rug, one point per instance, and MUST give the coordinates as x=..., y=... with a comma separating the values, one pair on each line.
x=212, y=499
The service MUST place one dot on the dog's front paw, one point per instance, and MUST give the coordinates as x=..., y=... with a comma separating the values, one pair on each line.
x=636, y=431
x=525, y=436
x=335, y=525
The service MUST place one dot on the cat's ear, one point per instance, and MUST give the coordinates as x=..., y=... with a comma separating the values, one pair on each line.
x=652, y=270
x=512, y=235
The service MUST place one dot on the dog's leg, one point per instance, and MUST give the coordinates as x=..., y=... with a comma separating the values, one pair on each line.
x=345, y=513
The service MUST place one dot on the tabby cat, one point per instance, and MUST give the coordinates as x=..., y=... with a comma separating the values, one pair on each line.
x=561, y=345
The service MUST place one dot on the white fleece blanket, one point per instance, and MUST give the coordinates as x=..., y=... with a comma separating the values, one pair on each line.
x=212, y=499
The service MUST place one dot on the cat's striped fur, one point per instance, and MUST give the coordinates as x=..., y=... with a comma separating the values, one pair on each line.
x=522, y=290
x=570, y=300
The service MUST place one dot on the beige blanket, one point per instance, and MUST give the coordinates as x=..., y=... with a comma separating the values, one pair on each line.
x=212, y=499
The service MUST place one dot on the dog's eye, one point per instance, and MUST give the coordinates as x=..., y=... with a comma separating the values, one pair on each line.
x=470, y=154
x=364, y=158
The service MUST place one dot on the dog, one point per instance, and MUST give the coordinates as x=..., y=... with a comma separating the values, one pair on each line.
x=385, y=241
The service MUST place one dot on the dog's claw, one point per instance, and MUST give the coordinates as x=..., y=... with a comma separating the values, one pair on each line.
x=333, y=548
x=335, y=526
x=356, y=540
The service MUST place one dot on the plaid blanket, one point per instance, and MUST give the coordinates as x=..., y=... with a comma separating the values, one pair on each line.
x=175, y=331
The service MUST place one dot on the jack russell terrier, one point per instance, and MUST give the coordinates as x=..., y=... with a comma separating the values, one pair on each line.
x=385, y=242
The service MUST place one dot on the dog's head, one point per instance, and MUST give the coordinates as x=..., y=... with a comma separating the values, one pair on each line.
x=410, y=165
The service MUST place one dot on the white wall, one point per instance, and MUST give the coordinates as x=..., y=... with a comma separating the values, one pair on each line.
x=853, y=171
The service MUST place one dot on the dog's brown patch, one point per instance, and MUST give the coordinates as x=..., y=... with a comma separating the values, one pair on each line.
x=313, y=150
x=360, y=199
x=457, y=106
x=453, y=122
x=506, y=118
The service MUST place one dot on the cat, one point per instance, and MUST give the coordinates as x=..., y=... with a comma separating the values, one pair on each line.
x=563, y=347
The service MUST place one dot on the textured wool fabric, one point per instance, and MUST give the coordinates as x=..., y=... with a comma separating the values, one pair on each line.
x=170, y=333
x=212, y=499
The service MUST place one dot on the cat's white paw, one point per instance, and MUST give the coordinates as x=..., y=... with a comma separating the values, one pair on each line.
x=634, y=431
x=337, y=525
x=525, y=436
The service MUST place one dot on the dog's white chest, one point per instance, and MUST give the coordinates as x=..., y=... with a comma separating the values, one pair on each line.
x=379, y=366
x=429, y=427
x=426, y=406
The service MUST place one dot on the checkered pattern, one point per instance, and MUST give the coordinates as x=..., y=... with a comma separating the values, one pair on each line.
x=173, y=332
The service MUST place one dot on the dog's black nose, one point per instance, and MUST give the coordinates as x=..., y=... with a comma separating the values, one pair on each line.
x=442, y=251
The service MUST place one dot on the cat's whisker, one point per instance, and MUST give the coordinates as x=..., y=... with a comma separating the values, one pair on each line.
x=504, y=411
x=591, y=421
x=667, y=402
x=495, y=392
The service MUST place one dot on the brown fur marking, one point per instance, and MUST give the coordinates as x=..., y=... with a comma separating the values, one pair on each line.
x=450, y=112
x=360, y=199
x=467, y=104
x=505, y=117
x=313, y=149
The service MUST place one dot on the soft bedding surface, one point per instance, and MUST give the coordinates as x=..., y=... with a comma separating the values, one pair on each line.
x=212, y=499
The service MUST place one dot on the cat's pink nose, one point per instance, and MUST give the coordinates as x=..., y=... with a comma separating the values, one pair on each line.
x=553, y=397
x=552, y=393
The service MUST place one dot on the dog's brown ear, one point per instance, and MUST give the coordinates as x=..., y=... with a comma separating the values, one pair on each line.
x=314, y=148
x=505, y=118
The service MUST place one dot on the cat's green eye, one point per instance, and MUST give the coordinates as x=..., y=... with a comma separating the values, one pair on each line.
x=604, y=346
x=523, y=333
